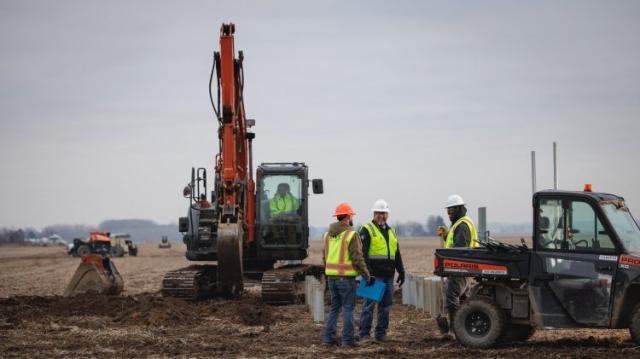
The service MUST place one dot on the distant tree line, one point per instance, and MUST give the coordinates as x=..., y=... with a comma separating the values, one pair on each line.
x=140, y=230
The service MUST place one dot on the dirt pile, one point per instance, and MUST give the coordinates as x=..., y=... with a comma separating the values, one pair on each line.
x=144, y=309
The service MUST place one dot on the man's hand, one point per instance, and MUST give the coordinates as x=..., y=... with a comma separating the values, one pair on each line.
x=400, y=279
x=442, y=231
x=371, y=280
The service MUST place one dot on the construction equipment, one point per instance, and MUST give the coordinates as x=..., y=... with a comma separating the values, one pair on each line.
x=122, y=244
x=95, y=274
x=583, y=271
x=119, y=244
x=164, y=243
x=97, y=243
x=250, y=225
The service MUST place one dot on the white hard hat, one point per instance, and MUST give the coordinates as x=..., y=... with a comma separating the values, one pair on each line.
x=380, y=206
x=454, y=200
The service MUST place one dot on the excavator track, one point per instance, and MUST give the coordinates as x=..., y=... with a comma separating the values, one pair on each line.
x=190, y=283
x=285, y=285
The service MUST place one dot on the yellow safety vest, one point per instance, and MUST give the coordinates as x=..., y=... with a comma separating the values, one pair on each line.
x=336, y=254
x=286, y=204
x=474, y=234
x=378, y=245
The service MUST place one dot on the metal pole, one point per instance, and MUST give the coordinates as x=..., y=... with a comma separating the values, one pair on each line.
x=482, y=223
x=555, y=166
x=533, y=171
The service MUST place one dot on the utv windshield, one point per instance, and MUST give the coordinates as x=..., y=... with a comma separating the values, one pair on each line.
x=624, y=225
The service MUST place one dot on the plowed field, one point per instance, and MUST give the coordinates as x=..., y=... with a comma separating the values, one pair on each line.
x=36, y=322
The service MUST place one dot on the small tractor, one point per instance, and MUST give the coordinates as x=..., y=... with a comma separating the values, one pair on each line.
x=582, y=272
x=122, y=244
x=119, y=245
x=164, y=243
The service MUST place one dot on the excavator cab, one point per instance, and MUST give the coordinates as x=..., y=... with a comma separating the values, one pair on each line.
x=282, y=228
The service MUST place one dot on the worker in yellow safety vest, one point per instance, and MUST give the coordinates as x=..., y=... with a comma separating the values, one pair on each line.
x=283, y=202
x=382, y=255
x=461, y=234
x=343, y=261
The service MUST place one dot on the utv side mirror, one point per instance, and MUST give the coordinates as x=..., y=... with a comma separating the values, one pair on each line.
x=317, y=186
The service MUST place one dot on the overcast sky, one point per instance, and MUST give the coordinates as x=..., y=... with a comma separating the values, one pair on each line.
x=104, y=105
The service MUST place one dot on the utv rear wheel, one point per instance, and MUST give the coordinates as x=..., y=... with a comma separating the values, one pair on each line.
x=518, y=333
x=479, y=324
x=634, y=325
x=83, y=250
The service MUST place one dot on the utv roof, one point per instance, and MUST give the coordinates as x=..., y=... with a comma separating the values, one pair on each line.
x=598, y=196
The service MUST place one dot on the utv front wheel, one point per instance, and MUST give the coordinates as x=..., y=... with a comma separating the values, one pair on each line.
x=634, y=325
x=479, y=324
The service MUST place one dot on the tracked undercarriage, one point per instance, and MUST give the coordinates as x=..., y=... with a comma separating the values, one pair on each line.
x=280, y=286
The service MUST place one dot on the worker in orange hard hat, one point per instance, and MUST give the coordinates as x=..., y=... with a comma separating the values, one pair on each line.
x=343, y=261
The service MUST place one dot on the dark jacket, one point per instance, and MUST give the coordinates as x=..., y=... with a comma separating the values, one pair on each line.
x=462, y=234
x=355, y=249
x=382, y=268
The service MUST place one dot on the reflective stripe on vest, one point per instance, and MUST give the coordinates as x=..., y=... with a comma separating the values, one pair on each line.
x=378, y=245
x=472, y=229
x=336, y=254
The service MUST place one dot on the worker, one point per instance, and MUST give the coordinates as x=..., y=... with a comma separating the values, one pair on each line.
x=283, y=202
x=382, y=256
x=461, y=234
x=343, y=261
x=203, y=203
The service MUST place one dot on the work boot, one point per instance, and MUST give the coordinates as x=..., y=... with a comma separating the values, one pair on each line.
x=382, y=338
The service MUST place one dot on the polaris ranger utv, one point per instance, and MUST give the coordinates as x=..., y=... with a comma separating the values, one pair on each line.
x=583, y=272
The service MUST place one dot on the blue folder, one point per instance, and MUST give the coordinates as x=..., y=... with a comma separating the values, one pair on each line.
x=373, y=292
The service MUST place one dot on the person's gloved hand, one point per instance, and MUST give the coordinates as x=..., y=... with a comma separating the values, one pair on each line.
x=442, y=231
x=400, y=279
x=371, y=280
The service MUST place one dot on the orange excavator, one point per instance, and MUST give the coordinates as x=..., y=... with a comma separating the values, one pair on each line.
x=254, y=229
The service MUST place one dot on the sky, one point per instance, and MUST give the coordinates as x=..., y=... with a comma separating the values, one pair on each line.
x=104, y=106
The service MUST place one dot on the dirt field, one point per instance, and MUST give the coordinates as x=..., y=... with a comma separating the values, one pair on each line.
x=36, y=322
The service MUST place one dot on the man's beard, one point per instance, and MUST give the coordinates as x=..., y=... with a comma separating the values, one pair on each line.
x=351, y=223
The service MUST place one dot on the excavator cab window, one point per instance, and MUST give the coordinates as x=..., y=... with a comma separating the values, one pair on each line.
x=281, y=209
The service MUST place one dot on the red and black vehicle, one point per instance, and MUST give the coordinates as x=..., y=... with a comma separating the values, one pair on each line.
x=583, y=271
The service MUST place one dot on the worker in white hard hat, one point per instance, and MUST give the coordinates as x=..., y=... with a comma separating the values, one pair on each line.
x=382, y=255
x=461, y=234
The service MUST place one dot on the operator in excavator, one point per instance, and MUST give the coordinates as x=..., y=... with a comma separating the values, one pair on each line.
x=382, y=255
x=203, y=203
x=283, y=202
x=343, y=261
x=461, y=234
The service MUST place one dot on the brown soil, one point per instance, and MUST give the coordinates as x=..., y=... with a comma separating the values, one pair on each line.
x=36, y=322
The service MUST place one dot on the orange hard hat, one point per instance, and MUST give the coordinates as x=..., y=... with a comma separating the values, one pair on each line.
x=343, y=208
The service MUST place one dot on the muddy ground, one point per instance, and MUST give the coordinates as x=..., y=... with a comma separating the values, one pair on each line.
x=36, y=322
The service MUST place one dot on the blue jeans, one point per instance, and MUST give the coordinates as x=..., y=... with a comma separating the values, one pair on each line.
x=343, y=296
x=366, y=317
